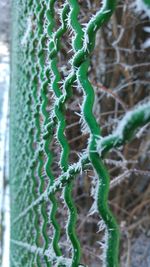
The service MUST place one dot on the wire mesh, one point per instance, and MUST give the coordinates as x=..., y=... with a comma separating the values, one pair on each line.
x=39, y=97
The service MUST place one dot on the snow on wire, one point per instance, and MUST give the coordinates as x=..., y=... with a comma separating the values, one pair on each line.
x=38, y=106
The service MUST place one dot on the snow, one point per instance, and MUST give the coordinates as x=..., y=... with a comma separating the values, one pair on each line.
x=146, y=29
x=141, y=8
x=146, y=44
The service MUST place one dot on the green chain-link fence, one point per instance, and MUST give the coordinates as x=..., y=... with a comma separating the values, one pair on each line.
x=40, y=94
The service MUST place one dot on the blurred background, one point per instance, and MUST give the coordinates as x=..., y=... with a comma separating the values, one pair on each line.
x=121, y=80
x=4, y=92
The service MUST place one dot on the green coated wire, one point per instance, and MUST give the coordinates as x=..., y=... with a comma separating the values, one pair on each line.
x=31, y=6
x=147, y=2
x=42, y=8
x=116, y=140
x=111, y=257
x=71, y=224
x=18, y=180
x=39, y=228
x=56, y=78
x=30, y=196
x=35, y=81
x=53, y=51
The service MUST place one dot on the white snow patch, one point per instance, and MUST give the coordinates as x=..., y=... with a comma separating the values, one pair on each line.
x=147, y=29
x=141, y=8
x=146, y=44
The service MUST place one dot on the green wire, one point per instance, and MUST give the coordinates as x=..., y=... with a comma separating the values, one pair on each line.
x=35, y=78
x=147, y=2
